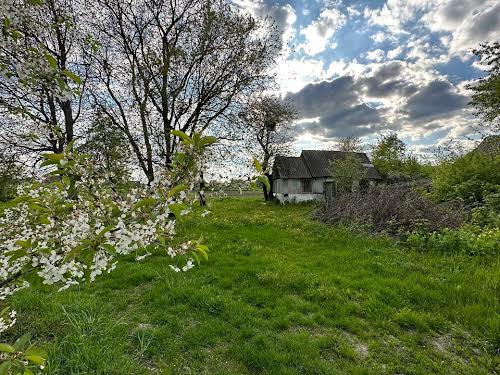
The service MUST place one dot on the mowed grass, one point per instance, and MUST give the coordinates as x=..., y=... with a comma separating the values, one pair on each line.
x=280, y=294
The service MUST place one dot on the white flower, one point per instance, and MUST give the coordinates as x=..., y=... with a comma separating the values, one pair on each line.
x=175, y=268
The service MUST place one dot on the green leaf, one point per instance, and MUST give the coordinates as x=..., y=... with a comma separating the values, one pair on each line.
x=23, y=244
x=37, y=360
x=257, y=165
x=176, y=190
x=181, y=134
x=27, y=372
x=109, y=248
x=22, y=341
x=51, y=60
x=16, y=254
x=176, y=209
x=35, y=350
x=72, y=76
x=53, y=156
x=265, y=182
x=144, y=202
x=4, y=367
x=6, y=348
x=35, y=2
x=202, y=247
x=206, y=141
x=75, y=252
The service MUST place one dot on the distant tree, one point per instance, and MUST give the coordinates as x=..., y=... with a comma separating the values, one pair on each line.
x=349, y=144
x=269, y=121
x=108, y=146
x=348, y=171
x=11, y=174
x=388, y=155
x=486, y=97
x=392, y=160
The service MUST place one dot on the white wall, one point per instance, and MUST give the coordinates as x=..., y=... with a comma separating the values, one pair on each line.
x=302, y=197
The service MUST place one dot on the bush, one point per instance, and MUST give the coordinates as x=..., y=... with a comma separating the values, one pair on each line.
x=471, y=178
x=469, y=240
x=394, y=209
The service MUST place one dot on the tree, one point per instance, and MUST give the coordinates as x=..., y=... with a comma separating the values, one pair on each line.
x=347, y=171
x=10, y=176
x=174, y=65
x=388, y=156
x=349, y=144
x=392, y=160
x=43, y=75
x=108, y=147
x=486, y=97
x=269, y=122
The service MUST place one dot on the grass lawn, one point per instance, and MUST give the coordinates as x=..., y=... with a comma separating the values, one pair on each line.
x=281, y=294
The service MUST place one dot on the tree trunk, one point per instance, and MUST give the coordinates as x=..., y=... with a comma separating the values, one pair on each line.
x=271, y=192
x=201, y=193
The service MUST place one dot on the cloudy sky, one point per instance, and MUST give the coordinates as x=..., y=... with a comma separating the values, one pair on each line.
x=364, y=68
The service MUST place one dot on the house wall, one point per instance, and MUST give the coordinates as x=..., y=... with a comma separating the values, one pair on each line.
x=295, y=198
x=290, y=190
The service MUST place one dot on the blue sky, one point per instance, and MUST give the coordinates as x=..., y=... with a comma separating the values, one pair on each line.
x=365, y=68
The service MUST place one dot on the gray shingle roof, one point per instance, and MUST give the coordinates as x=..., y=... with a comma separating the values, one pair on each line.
x=490, y=145
x=290, y=167
x=316, y=163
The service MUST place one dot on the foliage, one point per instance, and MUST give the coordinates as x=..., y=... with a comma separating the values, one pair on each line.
x=470, y=178
x=394, y=209
x=468, y=240
x=11, y=174
x=284, y=295
x=74, y=228
x=393, y=162
x=108, y=147
x=347, y=171
x=21, y=358
x=486, y=97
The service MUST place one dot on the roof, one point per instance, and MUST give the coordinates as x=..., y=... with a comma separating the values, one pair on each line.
x=490, y=145
x=290, y=167
x=316, y=163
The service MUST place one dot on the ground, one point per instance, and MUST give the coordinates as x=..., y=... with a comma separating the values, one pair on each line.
x=280, y=294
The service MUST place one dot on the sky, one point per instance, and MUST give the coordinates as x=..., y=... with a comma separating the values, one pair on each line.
x=366, y=68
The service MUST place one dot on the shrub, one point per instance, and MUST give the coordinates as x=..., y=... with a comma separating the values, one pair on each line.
x=394, y=209
x=470, y=178
x=468, y=240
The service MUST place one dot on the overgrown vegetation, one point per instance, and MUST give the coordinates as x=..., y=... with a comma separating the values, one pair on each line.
x=455, y=210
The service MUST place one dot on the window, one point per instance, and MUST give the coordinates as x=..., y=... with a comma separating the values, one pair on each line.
x=306, y=186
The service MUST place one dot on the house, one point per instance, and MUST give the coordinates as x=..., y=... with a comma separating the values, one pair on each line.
x=307, y=177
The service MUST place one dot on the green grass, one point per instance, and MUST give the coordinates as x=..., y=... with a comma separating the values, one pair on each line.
x=281, y=294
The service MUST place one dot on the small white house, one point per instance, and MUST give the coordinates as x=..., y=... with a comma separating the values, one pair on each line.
x=307, y=177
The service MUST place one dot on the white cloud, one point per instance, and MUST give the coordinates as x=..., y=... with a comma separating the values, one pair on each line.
x=320, y=31
x=394, y=53
x=294, y=74
x=380, y=37
x=353, y=11
x=394, y=14
x=376, y=55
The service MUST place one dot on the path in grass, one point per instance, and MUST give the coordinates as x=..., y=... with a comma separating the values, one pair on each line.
x=281, y=294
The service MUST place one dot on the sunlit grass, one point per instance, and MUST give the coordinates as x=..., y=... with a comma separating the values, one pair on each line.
x=280, y=294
